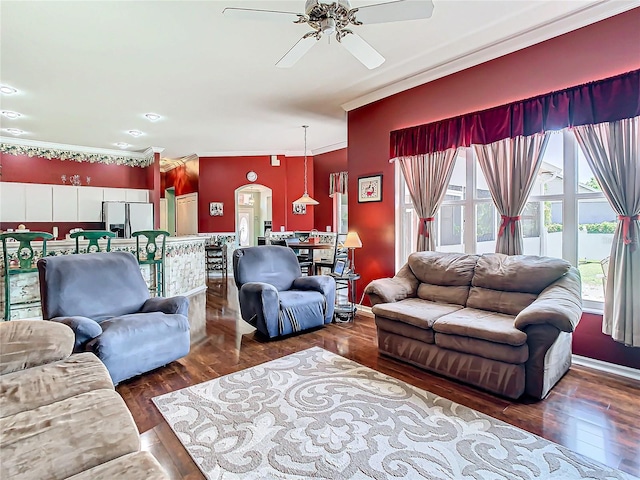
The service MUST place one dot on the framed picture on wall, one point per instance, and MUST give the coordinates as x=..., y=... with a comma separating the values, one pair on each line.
x=299, y=209
x=370, y=189
x=216, y=209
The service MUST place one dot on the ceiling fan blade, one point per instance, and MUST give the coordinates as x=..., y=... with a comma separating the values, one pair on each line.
x=298, y=50
x=257, y=14
x=395, y=11
x=360, y=49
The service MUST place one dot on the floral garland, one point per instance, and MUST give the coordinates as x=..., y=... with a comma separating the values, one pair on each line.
x=75, y=156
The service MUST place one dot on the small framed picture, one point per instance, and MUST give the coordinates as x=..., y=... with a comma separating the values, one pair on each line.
x=299, y=209
x=370, y=189
x=339, y=267
x=216, y=209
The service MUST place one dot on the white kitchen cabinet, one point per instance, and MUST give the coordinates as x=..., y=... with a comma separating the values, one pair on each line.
x=65, y=203
x=12, y=202
x=115, y=195
x=38, y=202
x=90, y=204
x=136, y=195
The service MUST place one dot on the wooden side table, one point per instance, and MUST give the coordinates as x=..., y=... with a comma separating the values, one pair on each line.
x=346, y=312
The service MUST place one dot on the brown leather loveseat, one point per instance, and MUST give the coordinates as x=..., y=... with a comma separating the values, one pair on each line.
x=501, y=323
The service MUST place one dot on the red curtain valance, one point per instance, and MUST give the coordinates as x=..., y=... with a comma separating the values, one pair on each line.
x=602, y=101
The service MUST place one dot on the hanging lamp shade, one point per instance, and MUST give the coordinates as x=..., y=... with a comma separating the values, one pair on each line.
x=305, y=199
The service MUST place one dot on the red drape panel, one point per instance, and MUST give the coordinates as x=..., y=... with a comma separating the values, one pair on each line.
x=607, y=100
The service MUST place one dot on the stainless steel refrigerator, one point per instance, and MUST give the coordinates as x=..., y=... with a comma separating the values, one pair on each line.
x=123, y=218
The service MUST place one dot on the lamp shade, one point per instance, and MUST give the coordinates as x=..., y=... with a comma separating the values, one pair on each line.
x=305, y=199
x=353, y=240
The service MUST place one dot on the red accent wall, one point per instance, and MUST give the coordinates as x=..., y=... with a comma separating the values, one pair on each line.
x=589, y=341
x=221, y=176
x=23, y=169
x=184, y=178
x=324, y=165
x=604, y=49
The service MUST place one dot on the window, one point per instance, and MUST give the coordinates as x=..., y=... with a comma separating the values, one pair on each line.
x=566, y=215
x=340, y=212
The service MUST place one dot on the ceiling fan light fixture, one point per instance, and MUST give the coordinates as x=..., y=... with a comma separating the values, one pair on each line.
x=328, y=26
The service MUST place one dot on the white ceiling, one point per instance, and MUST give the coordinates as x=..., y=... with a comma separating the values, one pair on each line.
x=88, y=71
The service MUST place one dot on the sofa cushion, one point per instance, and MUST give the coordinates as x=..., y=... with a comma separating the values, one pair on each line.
x=483, y=348
x=438, y=293
x=33, y=342
x=61, y=439
x=491, y=326
x=439, y=268
x=518, y=273
x=511, y=303
x=405, y=330
x=138, y=465
x=45, y=384
x=414, y=311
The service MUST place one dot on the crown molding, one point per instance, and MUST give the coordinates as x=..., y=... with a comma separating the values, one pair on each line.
x=268, y=153
x=553, y=28
x=245, y=153
x=167, y=164
x=75, y=153
x=329, y=148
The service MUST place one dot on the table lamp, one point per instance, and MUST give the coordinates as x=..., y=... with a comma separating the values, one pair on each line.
x=352, y=242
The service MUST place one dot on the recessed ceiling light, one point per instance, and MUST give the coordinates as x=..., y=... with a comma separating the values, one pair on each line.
x=122, y=144
x=10, y=114
x=152, y=116
x=14, y=131
x=134, y=133
x=7, y=90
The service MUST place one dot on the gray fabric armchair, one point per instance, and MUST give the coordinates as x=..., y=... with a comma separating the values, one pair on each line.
x=105, y=300
x=275, y=297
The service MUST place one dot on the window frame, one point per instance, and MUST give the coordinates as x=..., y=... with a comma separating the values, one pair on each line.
x=569, y=198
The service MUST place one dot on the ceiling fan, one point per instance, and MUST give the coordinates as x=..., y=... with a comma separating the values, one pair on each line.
x=328, y=17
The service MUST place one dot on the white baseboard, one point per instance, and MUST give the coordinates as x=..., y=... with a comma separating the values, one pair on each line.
x=364, y=310
x=612, y=368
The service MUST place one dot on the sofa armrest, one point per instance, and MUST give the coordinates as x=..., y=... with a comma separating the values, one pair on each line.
x=28, y=343
x=176, y=305
x=560, y=305
x=324, y=284
x=386, y=290
x=84, y=328
x=259, y=306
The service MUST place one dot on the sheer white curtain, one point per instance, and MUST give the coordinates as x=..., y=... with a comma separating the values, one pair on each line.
x=510, y=167
x=427, y=178
x=613, y=153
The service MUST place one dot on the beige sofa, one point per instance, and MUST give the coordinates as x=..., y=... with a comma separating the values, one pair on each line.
x=60, y=416
x=502, y=323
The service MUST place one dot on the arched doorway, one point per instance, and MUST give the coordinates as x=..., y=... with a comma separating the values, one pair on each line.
x=253, y=209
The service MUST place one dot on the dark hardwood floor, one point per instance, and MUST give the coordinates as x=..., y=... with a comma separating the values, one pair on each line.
x=591, y=413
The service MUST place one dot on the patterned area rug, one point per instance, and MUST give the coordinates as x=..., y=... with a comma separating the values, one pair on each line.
x=315, y=414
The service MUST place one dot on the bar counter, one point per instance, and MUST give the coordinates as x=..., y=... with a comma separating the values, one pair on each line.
x=184, y=275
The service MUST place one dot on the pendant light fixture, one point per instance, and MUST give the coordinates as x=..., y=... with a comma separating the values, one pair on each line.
x=305, y=199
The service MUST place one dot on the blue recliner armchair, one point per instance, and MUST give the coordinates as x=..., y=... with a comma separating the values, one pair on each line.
x=105, y=300
x=275, y=297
